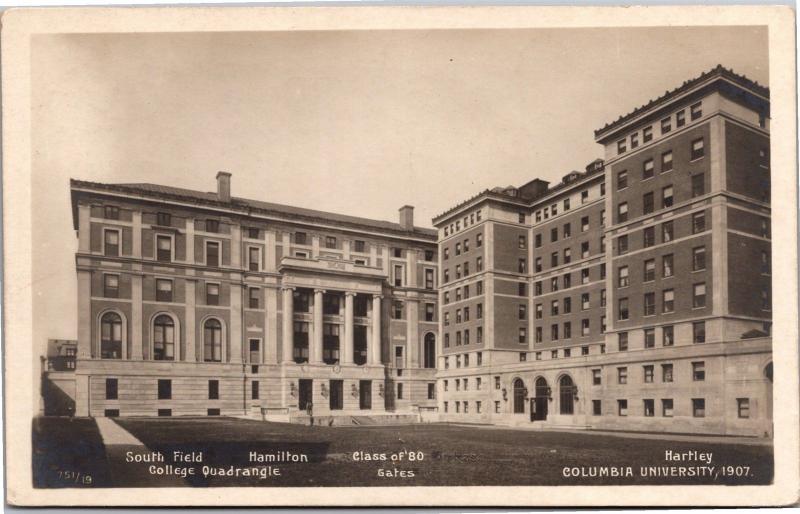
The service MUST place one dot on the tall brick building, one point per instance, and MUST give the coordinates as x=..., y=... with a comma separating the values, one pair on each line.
x=193, y=303
x=632, y=295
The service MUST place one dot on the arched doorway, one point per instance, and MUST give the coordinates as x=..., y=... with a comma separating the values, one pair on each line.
x=566, y=392
x=540, y=400
x=429, y=351
x=519, y=396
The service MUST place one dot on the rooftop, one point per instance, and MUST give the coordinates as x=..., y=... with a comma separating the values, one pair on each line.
x=718, y=71
x=248, y=206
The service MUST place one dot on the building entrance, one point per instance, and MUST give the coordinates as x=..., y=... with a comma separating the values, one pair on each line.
x=337, y=394
x=539, y=402
x=365, y=394
x=306, y=393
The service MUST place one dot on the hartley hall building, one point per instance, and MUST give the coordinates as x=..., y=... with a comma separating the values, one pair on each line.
x=632, y=295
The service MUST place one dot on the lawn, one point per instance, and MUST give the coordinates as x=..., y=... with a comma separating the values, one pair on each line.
x=451, y=455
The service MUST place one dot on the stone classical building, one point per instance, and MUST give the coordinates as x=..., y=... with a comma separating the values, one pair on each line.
x=193, y=303
x=633, y=295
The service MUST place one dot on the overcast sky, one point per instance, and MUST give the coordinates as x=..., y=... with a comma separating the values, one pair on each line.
x=351, y=122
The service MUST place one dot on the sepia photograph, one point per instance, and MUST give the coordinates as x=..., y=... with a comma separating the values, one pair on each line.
x=420, y=257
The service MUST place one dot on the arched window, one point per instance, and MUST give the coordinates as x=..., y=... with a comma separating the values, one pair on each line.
x=567, y=391
x=163, y=338
x=768, y=372
x=212, y=341
x=519, y=396
x=429, y=352
x=111, y=336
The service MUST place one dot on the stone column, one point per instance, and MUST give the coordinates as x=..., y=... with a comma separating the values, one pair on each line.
x=136, y=318
x=269, y=353
x=236, y=324
x=137, y=234
x=84, y=228
x=374, y=351
x=190, y=241
x=288, y=324
x=347, y=358
x=189, y=328
x=315, y=352
x=236, y=247
x=86, y=344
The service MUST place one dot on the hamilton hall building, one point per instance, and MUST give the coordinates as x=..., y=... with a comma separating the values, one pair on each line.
x=632, y=295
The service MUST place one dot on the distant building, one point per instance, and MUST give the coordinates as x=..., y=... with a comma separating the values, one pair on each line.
x=58, y=377
x=196, y=303
x=633, y=295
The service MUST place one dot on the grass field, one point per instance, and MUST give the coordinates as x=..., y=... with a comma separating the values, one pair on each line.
x=451, y=455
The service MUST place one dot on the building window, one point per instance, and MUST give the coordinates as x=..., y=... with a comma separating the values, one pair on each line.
x=300, y=238
x=666, y=372
x=212, y=254
x=585, y=301
x=622, y=375
x=648, y=169
x=522, y=266
x=666, y=161
x=523, y=311
x=111, y=336
x=522, y=289
x=212, y=226
x=698, y=149
x=163, y=290
x=597, y=377
x=254, y=258
x=602, y=298
x=330, y=242
x=667, y=407
x=622, y=212
x=254, y=390
x=667, y=335
x=584, y=327
x=696, y=111
x=648, y=204
x=399, y=275
x=699, y=407
x=212, y=294
x=668, y=300
x=397, y=311
x=666, y=197
x=622, y=180
x=622, y=341
x=554, y=235
x=163, y=219
x=213, y=389
x=164, y=389
x=622, y=146
x=649, y=270
x=698, y=222
x=523, y=335
x=523, y=357
x=538, y=265
x=538, y=240
x=649, y=304
x=666, y=125
x=698, y=185
x=567, y=392
x=163, y=338
x=112, y=389
x=649, y=408
x=634, y=140
x=522, y=217
x=648, y=371
x=699, y=332
x=111, y=243
x=698, y=371
x=623, y=309
x=163, y=248
x=743, y=407
x=647, y=134
x=597, y=407
x=680, y=118
x=253, y=297
x=554, y=332
x=212, y=341
x=667, y=269
x=699, y=258
x=622, y=407
x=110, y=285
x=650, y=335
x=699, y=295
x=622, y=244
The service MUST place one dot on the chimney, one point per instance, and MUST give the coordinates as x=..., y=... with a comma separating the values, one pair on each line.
x=407, y=217
x=224, y=186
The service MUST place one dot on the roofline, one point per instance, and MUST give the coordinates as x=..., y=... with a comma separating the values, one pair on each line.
x=488, y=195
x=719, y=72
x=80, y=186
